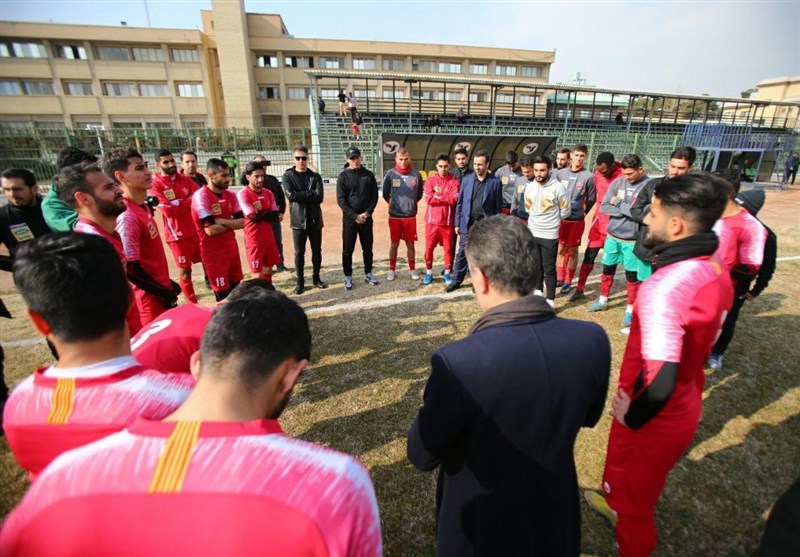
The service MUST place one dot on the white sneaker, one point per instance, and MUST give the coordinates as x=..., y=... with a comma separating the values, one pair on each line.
x=348, y=283
x=551, y=303
x=391, y=276
x=414, y=274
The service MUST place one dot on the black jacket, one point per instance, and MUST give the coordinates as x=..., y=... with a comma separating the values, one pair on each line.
x=19, y=225
x=356, y=192
x=275, y=187
x=639, y=209
x=305, y=193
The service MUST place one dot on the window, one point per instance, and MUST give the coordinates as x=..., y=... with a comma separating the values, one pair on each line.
x=585, y=113
x=126, y=124
x=504, y=98
x=394, y=65
x=15, y=126
x=297, y=93
x=605, y=114
x=452, y=96
x=154, y=90
x=425, y=94
x=364, y=93
x=10, y=87
x=531, y=71
x=38, y=88
x=112, y=53
x=479, y=69
x=449, y=67
x=148, y=54
x=267, y=61
x=51, y=126
x=121, y=89
x=78, y=88
x=269, y=93
x=87, y=124
x=505, y=70
x=331, y=63
x=329, y=93
x=71, y=52
x=190, y=90
x=363, y=63
x=185, y=55
x=398, y=94
x=478, y=97
x=298, y=62
x=423, y=65
x=194, y=124
x=159, y=125
x=22, y=50
x=527, y=99
x=562, y=113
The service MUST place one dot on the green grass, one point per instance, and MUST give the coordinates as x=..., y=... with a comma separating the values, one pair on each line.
x=369, y=368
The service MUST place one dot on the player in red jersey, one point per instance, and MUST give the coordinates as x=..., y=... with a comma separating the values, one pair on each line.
x=441, y=196
x=676, y=318
x=174, y=193
x=146, y=263
x=606, y=170
x=96, y=388
x=260, y=211
x=217, y=216
x=97, y=199
x=216, y=477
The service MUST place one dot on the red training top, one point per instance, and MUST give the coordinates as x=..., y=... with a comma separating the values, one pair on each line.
x=206, y=206
x=168, y=343
x=175, y=204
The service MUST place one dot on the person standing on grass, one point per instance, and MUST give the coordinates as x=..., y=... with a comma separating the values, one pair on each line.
x=274, y=185
x=508, y=174
x=503, y=406
x=441, y=196
x=402, y=190
x=677, y=316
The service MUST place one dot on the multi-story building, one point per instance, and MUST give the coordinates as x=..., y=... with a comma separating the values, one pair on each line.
x=758, y=108
x=243, y=70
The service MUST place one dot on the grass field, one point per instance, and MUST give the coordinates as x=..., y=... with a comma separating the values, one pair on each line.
x=370, y=361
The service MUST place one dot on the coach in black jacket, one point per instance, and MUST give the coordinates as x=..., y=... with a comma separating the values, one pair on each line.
x=502, y=408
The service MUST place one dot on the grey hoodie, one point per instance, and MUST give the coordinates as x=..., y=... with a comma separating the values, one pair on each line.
x=621, y=224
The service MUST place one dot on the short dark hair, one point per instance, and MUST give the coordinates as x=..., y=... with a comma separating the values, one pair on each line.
x=301, y=148
x=88, y=295
x=606, y=157
x=215, y=165
x=251, y=335
x=247, y=286
x=119, y=159
x=564, y=151
x=541, y=159
x=581, y=147
x=733, y=177
x=189, y=152
x=489, y=243
x=699, y=197
x=689, y=154
x=72, y=155
x=512, y=157
x=73, y=179
x=163, y=153
x=481, y=153
x=461, y=151
x=249, y=168
x=631, y=161
x=443, y=157
x=27, y=177
x=526, y=161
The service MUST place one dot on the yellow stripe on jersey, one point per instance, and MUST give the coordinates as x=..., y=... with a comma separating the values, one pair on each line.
x=175, y=458
x=63, y=401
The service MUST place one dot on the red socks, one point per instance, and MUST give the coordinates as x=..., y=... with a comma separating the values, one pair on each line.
x=583, y=276
x=633, y=289
x=188, y=290
x=605, y=284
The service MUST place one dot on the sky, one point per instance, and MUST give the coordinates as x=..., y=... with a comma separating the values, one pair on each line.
x=694, y=47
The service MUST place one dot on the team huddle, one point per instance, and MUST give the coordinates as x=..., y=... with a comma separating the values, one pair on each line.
x=155, y=414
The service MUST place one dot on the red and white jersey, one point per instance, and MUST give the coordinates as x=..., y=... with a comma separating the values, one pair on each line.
x=168, y=343
x=741, y=241
x=175, y=205
x=678, y=315
x=198, y=488
x=441, y=196
x=142, y=242
x=252, y=203
x=205, y=204
x=55, y=410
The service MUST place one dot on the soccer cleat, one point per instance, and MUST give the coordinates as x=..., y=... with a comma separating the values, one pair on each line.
x=576, y=295
x=597, y=306
x=625, y=330
x=414, y=274
x=627, y=319
x=370, y=278
x=391, y=276
x=299, y=289
x=565, y=287
x=598, y=503
x=280, y=268
x=453, y=286
x=348, y=283
x=448, y=280
x=428, y=278
x=715, y=362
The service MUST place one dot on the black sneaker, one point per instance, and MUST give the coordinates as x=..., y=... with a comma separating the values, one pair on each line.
x=318, y=282
x=281, y=268
x=452, y=287
x=299, y=289
x=576, y=295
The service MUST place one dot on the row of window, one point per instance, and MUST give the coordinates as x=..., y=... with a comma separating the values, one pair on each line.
x=53, y=126
x=110, y=88
x=273, y=92
x=78, y=52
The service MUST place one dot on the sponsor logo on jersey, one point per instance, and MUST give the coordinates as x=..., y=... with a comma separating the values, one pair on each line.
x=216, y=210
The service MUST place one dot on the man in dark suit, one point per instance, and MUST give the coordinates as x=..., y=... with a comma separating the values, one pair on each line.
x=502, y=408
x=481, y=196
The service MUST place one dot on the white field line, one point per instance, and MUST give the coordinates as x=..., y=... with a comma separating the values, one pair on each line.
x=356, y=306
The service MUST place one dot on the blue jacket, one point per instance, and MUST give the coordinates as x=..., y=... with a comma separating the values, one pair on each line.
x=492, y=199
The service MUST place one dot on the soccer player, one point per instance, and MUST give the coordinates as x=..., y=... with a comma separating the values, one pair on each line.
x=508, y=174
x=260, y=211
x=273, y=185
x=58, y=215
x=402, y=190
x=216, y=477
x=579, y=183
x=189, y=168
x=547, y=204
x=441, y=196
x=21, y=219
x=562, y=158
x=357, y=196
x=97, y=200
x=144, y=253
x=622, y=230
x=742, y=239
x=659, y=396
x=217, y=216
x=174, y=193
x=96, y=388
